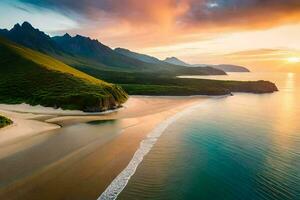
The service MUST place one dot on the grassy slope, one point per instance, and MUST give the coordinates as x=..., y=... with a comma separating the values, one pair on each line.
x=49, y=62
x=32, y=77
x=166, y=84
x=4, y=121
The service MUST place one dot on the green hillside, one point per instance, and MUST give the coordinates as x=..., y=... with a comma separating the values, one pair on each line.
x=162, y=84
x=32, y=77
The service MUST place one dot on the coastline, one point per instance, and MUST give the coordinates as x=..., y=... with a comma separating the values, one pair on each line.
x=32, y=120
x=140, y=116
x=24, y=125
x=41, y=110
x=120, y=182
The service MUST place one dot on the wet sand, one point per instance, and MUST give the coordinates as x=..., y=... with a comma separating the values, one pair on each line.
x=86, y=171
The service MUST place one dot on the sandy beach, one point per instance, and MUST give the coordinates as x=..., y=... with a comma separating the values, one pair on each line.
x=25, y=125
x=85, y=172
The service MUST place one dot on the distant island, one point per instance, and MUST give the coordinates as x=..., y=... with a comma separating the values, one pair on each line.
x=4, y=121
x=230, y=68
x=76, y=73
x=223, y=67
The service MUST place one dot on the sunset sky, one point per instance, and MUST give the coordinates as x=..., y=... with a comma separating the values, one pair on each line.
x=261, y=34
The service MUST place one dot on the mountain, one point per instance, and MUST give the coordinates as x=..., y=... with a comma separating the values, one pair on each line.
x=89, y=54
x=32, y=38
x=176, y=61
x=181, y=68
x=122, y=59
x=78, y=48
x=223, y=67
x=94, y=51
x=139, y=56
x=35, y=78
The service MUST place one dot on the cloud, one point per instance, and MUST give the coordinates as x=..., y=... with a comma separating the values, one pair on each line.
x=132, y=11
x=184, y=12
x=262, y=54
x=140, y=23
x=250, y=14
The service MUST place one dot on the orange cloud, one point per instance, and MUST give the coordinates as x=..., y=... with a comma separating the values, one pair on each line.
x=149, y=23
x=181, y=13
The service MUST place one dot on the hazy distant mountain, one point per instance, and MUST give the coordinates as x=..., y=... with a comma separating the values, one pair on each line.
x=184, y=69
x=139, y=56
x=176, y=61
x=223, y=67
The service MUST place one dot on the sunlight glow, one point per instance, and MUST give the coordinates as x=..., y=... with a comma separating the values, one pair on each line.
x=293, y=59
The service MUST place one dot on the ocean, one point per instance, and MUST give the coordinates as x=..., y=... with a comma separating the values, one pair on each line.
x=246, y=146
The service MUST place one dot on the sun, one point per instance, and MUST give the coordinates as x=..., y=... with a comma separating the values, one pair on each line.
x=293, y=59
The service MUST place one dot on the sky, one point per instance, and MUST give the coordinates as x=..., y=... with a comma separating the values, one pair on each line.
x=260, y=34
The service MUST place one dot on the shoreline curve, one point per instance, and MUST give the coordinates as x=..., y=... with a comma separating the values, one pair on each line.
x=120, y=182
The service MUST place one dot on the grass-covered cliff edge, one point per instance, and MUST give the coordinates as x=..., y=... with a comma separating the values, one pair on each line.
x=35, y=78
x=4, y=121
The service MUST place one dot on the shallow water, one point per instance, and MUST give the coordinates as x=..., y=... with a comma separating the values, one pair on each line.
x=241, y=147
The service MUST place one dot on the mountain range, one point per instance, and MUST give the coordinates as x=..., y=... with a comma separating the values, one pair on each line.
x=178, y=62
x=84, y=52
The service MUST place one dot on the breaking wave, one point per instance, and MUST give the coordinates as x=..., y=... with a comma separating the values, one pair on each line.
x=120, y=182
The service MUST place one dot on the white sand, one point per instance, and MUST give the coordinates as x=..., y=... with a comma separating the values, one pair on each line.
x=26, y=124
x=26, y=108
x=23, y=125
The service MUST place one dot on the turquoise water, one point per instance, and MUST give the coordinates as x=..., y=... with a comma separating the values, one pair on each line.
x=241, y=147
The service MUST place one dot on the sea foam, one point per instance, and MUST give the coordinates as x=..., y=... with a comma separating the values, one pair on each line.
x=120, y=182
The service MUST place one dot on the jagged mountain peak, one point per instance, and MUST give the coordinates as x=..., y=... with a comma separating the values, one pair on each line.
x=31, y=37
x=27, y=25
x=67, y=35
x=17, y=26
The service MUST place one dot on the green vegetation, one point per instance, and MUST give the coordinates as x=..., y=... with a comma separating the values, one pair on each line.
x=167, y=84
x=34, y=78
x=4, y=121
